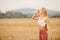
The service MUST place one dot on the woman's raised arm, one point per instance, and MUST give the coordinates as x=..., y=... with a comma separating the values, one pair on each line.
x=35, y=17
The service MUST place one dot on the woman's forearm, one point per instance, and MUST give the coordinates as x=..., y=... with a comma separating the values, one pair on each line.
x=34, y=15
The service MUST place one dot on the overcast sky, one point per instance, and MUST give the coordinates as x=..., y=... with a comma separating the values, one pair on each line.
x=18, y=4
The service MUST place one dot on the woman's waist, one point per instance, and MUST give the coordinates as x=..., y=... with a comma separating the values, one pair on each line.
x=41, y=27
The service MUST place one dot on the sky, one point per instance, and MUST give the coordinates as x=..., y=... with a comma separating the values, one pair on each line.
x=18, y=4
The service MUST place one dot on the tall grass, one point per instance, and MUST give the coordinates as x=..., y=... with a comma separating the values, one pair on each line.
x=27, y=29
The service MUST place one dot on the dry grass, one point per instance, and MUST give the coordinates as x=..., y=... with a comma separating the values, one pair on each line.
x=27, y=29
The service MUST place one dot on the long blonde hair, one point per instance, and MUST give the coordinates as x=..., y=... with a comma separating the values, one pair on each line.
x=44, y=12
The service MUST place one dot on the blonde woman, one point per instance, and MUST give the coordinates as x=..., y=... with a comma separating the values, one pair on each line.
x=42, y=22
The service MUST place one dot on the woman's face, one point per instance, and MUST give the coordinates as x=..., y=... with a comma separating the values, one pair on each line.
x=40, y=11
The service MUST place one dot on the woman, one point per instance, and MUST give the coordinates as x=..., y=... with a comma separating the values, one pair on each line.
x=42, y=22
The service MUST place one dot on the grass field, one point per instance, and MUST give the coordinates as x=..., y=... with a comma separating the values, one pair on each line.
x=27, y=29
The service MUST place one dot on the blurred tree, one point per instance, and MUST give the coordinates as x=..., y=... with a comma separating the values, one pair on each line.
x=9, y=14
x=0, y=11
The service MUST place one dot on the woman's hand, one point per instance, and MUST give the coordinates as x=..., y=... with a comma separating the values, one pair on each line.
x=35, y=12
x=38, y=10
x=35, y=17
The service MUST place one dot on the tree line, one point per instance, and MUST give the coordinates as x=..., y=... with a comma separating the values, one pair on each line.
x=10, y=14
